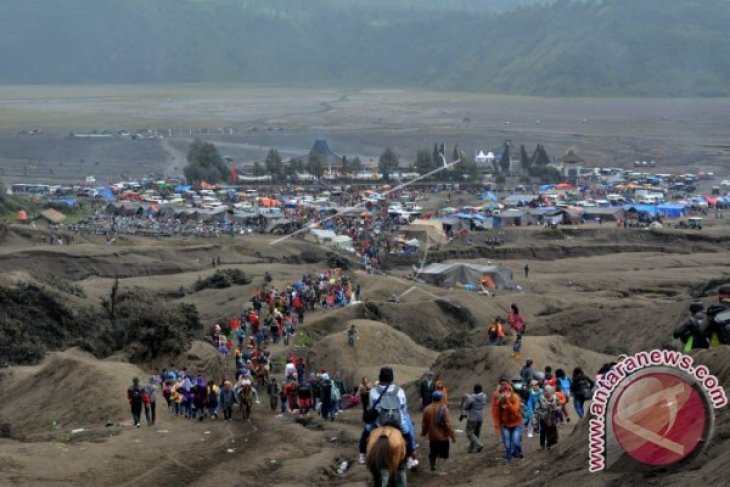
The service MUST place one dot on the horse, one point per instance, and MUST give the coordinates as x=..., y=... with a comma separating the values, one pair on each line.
x=245, y=399
x=386, y=457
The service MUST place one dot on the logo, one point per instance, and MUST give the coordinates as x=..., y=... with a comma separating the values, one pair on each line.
x=653, y=409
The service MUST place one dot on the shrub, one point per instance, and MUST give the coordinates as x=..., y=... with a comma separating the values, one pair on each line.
x=221, y=279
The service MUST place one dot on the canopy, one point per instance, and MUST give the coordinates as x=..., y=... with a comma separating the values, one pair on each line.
x=450, y=275
x=564, y=186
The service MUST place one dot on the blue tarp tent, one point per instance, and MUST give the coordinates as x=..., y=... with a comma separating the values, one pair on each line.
x=651, y=210
x=671, y=210
x=489, y=195
x=546, y=187
x=470, y=216
x=107, y=194
x=180, y=189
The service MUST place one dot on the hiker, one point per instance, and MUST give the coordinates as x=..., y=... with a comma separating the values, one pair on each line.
x=534, y=393
x=436, y=425
x=305, y=397
x=426, y=389
x=495, y=333
x=352, y=335
x=517, y=347
x=339, y=383
x=150, y=409
x=690, y=330
x=516, y=320
x=581, y=389
x=718, y=316
x=213, y=393
x=200, y=398
x=508, y=421
x=326, y=391
x=389, y=405
x=245, y=397
x=440, y=387
x=273, y=390
x=363, y=391
x=526, y=372
x=135, y=396
x=527, y=270
x=472, y=407
x=563, y=399
x=547, y=410
x=290, y=390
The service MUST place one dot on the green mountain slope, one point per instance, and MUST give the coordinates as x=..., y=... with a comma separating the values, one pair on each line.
x=614, y=47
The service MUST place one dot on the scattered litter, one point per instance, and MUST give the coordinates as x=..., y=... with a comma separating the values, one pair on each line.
x=458, y=431
x=273, y=462
x=231, y=450
x=77, y=431
x=108, y=424
x=207, y=433
x=333, y=439
x=138, y=441
x=343, y=467
x=163, y=431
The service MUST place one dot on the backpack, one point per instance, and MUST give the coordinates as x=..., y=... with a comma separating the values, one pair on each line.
x=492, y=332
x=136, y=395
x=719, y=316
x=584, y=389
x=335, y=393
x=565, y=386
x=390, y=408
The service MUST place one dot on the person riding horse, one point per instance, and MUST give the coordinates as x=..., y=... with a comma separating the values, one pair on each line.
x=245, y=397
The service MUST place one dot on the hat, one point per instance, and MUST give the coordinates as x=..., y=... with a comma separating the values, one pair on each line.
x=696, y=307
x=504, y=378
x=517, y=378
x=549, y=390
x=325, y=376
x=539, y=376
x=429, y=372
x=386, y=375
x=437, y=395
x=217, y=327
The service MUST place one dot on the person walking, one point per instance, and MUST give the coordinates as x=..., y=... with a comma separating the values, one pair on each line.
x=527, y=270
x=426, y=389
x=495, y=333
x=547, y=411
x=473, y=407
x=213, y=402
x=151, y=403
x=516, y=320
x=507, y=416
x=436, y=425
x=273, y=390
x=135, y=396
x=581, y=389
x=227, y=400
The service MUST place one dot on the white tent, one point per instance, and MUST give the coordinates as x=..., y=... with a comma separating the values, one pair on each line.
x=481, y=157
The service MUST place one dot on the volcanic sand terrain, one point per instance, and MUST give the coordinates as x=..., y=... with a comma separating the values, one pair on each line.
x=593, y=292
x=245, y=122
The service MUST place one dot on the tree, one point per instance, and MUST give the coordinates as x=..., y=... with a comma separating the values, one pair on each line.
x=424, y=161
x=388, y=162
x=524, y=159
x=345, y=165
x=356, y=165
x=258, y=170
x=435, y=153
x=505, y=159
x=274, y=166
x=540, y=157
x=292, y=169
x=455, y=155
x=315, y=165
x=205, y=163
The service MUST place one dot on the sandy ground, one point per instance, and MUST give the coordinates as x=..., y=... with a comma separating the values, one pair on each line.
x=677, y=133
x=591, y=295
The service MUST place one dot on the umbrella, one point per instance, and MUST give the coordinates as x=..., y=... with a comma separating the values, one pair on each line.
x=564, y=186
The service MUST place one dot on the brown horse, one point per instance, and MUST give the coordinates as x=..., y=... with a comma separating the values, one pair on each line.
x=386, y=456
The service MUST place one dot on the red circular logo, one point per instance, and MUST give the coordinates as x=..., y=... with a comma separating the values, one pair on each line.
x=659, y=418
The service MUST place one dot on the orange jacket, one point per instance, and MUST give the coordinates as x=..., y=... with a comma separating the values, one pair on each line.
x=506, y=411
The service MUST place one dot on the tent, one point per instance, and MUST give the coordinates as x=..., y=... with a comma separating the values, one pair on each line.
x=450, y=275
x=671, y=210
x=429, y=231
